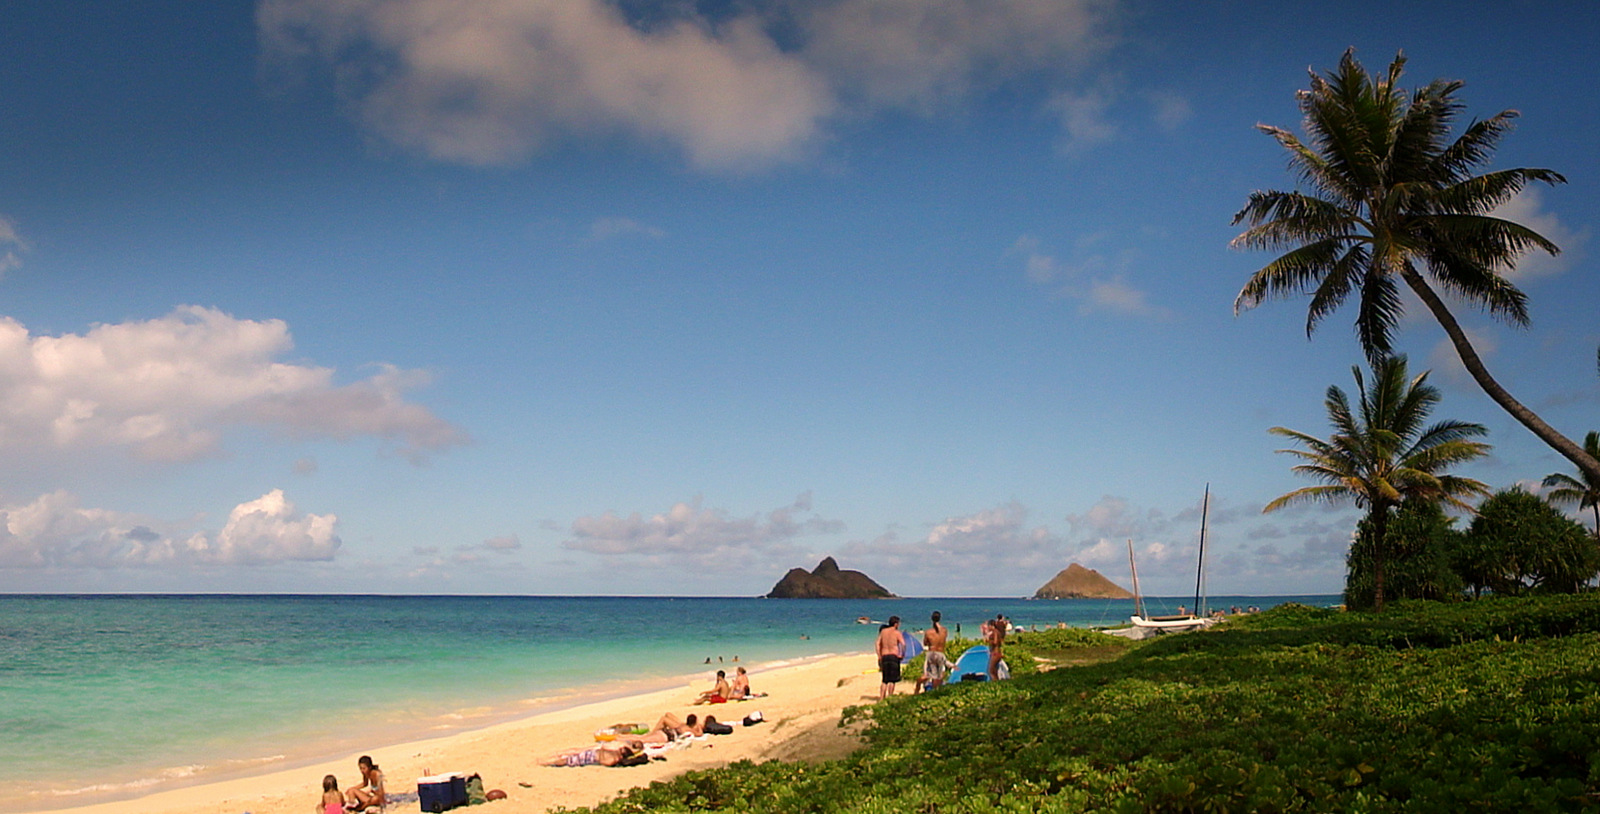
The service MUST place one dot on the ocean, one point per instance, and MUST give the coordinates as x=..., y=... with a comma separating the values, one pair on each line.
x=112, y=696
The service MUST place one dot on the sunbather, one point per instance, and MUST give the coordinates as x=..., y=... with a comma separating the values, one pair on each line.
x=370, y=793
x=611, y=753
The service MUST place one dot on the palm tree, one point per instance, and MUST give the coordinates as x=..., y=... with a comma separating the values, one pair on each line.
x=1583, y=490
x=1392, y=202
x=1381, y=454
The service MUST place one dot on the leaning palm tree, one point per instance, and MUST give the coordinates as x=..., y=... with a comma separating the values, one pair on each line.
x=1381, y=454
x=1391, y=202
x=1583, y=490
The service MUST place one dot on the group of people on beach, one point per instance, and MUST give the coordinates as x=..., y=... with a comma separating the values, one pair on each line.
x=891, y=650
x=369, y=794
x=722, y=692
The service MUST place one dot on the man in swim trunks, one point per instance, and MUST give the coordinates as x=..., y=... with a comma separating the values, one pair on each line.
x=935, y=664
x=891, y=645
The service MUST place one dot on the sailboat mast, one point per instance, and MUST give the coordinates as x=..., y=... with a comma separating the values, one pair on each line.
x=1200, y=569
x=1138, y=603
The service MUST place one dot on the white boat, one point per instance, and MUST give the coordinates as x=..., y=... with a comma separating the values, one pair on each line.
x=1182, y=621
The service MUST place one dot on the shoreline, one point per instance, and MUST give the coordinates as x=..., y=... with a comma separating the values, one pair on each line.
x=801, y=710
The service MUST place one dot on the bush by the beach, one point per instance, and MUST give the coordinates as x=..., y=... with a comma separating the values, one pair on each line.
x=1487, y=705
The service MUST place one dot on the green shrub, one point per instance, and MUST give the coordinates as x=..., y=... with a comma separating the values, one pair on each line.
x=1520, y=544
x=1417, y=564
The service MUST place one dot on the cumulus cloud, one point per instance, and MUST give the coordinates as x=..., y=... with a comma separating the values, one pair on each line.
x=1096, y=281
x=55, y=532
x=981, y=553
x=692, y=534
x=167, y=389
x=12, y=246
x=1528, y=210
x=486, y=82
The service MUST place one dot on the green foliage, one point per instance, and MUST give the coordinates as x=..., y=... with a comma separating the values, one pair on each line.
x=1418, y=546
x=1520, y=544
x=1490, y=705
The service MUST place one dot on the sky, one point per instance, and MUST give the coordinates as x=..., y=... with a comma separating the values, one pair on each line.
x=667, y=298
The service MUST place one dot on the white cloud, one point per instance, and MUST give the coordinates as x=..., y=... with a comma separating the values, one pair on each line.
x=1445, y=362
x=1169, y=110
x=927, y=54
x=486, y=82
x=1097, y=282
x=983, y=554
x=1084, y=119
x=507, y=543
x=490, y=81
x=604, y=228
x=12, y=246
x=167, y=388
x=691, y=535
x=1528, y=209
x=55, y=532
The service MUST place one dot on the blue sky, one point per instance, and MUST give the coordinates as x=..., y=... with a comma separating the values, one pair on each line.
x=569, y=296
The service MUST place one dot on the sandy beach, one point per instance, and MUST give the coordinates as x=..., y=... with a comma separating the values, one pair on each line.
x=802, y=710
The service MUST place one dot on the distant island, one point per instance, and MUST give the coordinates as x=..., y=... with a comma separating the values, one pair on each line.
x=827, y=582
x=1077, y=582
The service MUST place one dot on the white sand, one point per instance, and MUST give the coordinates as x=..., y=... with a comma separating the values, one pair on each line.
x=802, y=710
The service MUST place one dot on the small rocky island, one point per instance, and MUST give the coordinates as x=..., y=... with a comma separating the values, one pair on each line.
x=1077, y=582
x=827, y=582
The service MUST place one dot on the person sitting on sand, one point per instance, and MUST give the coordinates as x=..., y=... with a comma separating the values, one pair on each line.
x=370, y=793
x=741, y=686
x=613, y=753
x=717, y=694
x=332, y=800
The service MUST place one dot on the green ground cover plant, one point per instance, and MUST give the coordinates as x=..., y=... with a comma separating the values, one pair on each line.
x=1488, y=705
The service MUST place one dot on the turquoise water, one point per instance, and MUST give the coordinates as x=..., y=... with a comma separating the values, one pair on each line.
x=111, y=696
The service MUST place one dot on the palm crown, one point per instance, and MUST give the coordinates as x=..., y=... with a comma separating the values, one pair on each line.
x=1392, y=200
x=1381, y=454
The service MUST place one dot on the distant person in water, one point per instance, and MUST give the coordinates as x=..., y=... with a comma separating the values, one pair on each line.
x=935, y=664
x=994, y=635
x=718, y=693
x=332, y=800
x=370, y=793
x=890, y=647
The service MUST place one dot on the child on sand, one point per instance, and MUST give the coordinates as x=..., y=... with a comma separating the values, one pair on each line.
x=332, y=800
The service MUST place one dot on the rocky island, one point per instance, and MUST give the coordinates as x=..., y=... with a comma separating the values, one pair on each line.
x=827, y=581
x=1077, y=582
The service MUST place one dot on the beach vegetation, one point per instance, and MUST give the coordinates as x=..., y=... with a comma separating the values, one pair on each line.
x=1489, y=705
x=1381, y=454
x=1390, y=200
x=1520, y=544
x=1421, y=542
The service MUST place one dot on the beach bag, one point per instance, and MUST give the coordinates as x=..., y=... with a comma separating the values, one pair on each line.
x=753, y=718
x=718, y=728
x=638, y=759
x=475, y=793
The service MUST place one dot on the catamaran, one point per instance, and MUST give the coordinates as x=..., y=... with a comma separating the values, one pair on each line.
x=1183, y=621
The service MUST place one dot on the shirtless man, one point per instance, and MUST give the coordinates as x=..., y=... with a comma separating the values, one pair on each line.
x=717, y=694
x=891, y=645
x=994, y=635
x=935, y=664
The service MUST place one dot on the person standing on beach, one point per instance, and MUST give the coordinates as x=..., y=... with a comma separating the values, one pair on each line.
x=994, y=635
x=891, y=645
x=935, y=664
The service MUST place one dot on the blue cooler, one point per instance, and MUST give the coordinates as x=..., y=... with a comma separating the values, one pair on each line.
x=442, y=792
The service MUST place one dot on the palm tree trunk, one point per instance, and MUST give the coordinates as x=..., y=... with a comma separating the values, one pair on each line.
x=1380, y=532
x=1469, y=357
